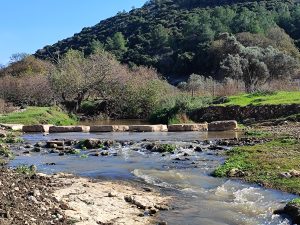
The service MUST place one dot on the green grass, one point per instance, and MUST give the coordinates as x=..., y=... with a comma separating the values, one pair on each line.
x=39, y=115
x=25, y=169
x=263, y=163
x=166, y=148
x=5, y=151
x=265, y=98
x=295, y=201
x=257, y=133
x=74, y=152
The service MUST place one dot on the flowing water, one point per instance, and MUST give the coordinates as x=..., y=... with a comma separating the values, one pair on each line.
x=199, y=198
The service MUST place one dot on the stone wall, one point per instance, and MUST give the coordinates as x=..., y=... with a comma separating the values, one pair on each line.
x=254, y=113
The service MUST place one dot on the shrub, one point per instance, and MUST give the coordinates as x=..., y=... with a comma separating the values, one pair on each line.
x=175, y=109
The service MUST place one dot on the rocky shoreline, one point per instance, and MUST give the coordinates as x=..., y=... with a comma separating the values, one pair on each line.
x=66, y=199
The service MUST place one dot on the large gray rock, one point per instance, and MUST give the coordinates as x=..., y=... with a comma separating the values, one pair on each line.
x=54, y=144
x=292, y=210
x=228, y=125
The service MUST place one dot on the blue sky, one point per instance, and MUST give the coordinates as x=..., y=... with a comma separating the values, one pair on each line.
x=27, y=25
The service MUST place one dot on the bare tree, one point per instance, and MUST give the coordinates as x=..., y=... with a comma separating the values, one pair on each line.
x=76, y=77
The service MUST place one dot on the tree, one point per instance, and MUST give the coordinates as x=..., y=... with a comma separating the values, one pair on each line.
x=117, y=44
x=17, y=57
x=197, y=83
x=159, y=36
x=96, y=47
x=256, y=65
x=27, y=66
x=77, y=77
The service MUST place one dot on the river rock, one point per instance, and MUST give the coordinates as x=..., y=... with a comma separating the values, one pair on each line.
x=223, y=125
x=33, y=199
x=292, y=210
x=54, y=144
x=2, y=134
x=235, y=173
x=37, y=149
x=39, y=144
x=285, y=175
x=92, y=143
x=112, y=194
x=294, y=173
x=104, y=153
x=162, y=223
x=28, y=146
x=198, y=149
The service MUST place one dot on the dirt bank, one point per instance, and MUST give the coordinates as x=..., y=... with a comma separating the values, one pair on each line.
x=28, y=200
x=65, y=199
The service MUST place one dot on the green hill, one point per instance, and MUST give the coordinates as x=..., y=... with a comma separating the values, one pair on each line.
x=175, y=36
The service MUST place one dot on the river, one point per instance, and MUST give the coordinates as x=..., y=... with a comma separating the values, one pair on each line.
x=200, y=199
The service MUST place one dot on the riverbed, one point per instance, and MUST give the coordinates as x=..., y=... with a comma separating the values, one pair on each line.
x=200, y=199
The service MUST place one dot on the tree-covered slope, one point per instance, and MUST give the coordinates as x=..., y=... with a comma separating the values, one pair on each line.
x=175, y=36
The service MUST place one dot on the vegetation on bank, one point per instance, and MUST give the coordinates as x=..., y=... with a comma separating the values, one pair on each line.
x=39, y=115
x=295, y=201
x=266, y=164
x=5, y=151
x=265, y=98
x=174, y=110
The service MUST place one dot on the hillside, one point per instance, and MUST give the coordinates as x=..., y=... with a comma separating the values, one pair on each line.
x=175, y=36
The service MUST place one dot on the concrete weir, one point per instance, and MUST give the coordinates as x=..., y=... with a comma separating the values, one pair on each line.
x=109, y=128
x=14, y=127
x=148, y=128
x=197, y=127
x=188, y=127
x=36, y=129
x=66, y=129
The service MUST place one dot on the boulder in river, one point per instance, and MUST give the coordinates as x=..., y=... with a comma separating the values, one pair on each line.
x=235, y=173
x=292, y=210
x=91, y=143
x=223, y=125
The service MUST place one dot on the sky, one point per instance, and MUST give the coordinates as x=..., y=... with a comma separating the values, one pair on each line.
x=28, y=25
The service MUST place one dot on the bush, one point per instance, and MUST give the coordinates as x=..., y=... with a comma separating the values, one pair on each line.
x=88, y=107
x=175, y=109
